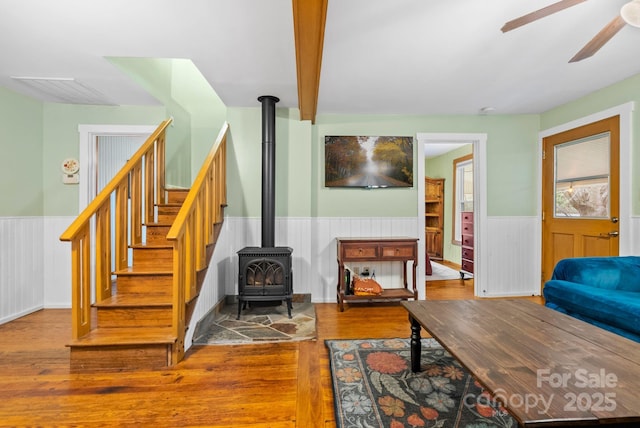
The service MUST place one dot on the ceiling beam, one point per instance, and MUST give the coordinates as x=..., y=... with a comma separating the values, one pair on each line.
x=309, y=18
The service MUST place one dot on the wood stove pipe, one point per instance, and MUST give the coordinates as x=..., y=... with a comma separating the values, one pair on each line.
x=268, y=169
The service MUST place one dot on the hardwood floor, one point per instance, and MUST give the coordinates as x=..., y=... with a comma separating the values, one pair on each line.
x=268, y=385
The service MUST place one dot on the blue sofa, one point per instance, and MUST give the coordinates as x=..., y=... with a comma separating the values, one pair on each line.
x=604, y=291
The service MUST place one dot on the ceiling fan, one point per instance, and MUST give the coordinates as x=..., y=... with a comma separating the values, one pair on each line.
x=629, y=14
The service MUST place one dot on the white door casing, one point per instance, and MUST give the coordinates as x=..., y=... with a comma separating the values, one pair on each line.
x=479, y=142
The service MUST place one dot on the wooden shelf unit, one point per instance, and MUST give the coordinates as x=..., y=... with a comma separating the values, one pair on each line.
x=434, y=217
x=392, y=249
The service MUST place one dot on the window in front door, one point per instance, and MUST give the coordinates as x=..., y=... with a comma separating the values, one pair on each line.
x=582, y=174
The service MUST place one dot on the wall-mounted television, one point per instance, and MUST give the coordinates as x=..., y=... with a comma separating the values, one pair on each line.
x=368, y=162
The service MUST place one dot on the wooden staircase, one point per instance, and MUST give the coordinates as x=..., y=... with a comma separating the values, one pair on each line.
x=133, y=326
x=143, y=308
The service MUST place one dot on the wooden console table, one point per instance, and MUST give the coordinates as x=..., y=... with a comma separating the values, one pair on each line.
x=377, y=250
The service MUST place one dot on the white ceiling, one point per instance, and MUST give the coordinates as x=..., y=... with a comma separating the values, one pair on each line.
x=433, y=150
x=380, y=56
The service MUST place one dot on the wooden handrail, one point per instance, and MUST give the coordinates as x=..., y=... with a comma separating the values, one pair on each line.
x=193, y=231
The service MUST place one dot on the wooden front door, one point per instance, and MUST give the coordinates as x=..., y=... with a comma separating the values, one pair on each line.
x=580, y=193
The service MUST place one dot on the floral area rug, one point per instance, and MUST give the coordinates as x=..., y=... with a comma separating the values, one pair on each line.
x=374, y=386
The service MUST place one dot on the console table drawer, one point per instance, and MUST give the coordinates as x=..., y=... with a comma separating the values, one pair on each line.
x=398, y=251
x=358, y=251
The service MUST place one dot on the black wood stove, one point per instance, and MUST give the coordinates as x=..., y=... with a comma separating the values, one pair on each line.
x=265, y=273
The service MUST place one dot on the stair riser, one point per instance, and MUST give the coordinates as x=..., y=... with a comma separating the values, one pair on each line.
x=166, y=217
x=134, y=317
x=169, y=209
x=157, y=234
x=166, y=214
x=129, y=357
x=162, y=258
x=137, y=284
x=176, y=196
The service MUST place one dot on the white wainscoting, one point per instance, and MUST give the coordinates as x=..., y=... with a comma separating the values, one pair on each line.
x=513, y=257
x=512, y=263
x=21, y=266
x=219, y=274
x=57, y=263
x=35, y=267
x=314, y=248
x=327, y=229
x=634, y=231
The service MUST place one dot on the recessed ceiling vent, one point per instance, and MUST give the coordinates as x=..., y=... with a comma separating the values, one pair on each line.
x=63, y=90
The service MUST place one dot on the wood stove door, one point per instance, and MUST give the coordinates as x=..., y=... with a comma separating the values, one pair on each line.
x=263, y=277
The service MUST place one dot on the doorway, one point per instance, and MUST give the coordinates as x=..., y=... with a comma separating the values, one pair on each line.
x=478, y=142
x=118, y=141
x=113, y=152
x=581, y=193
x=625, y=225
x=88, y=154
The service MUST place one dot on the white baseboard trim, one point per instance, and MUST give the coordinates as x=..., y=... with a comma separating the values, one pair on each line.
x=20, y=314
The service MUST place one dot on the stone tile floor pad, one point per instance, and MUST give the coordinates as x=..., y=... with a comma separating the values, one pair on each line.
x=260, y=324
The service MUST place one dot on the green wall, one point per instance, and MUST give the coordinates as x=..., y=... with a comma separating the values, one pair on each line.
x=156, y=76
x=511, y=158
x=244, y=163
x=21, y=160
x=198, y=113
x=510, y=162
x=205, y=109
x=37, y=136
x=61, y=141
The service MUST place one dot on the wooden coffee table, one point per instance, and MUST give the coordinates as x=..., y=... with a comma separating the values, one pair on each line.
x=546, y=368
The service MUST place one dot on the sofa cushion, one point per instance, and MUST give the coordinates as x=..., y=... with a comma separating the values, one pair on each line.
x=620, y=309
x=611, y=273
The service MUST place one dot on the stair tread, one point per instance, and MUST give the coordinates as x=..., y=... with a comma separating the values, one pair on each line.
x=152, y=246
x=159, y=224
x=126, y=336
x=143, y=270
x=136, y=299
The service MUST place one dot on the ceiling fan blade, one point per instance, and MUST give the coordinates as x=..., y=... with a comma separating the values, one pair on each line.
x=609, y=30
x=538, y=14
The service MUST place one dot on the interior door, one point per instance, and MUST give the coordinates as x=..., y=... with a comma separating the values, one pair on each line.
x=580, y=193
